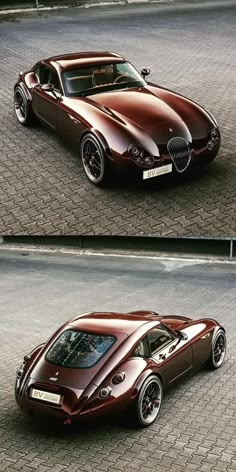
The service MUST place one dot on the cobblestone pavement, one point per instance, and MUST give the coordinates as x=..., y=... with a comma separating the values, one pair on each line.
x=196, y=428
x=43, y=189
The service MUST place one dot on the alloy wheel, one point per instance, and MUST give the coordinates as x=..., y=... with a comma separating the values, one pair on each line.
x=150, y=401
x=93, y=159
x=219, y=349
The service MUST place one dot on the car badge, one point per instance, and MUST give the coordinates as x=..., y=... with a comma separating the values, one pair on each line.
x=54, y=379
x=171, y=130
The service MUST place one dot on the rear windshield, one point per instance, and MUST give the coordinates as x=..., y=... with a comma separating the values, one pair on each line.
x=78, y=349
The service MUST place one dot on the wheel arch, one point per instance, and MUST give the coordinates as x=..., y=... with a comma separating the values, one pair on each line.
x=25, y=90
x=100, y=137
x=143, y=377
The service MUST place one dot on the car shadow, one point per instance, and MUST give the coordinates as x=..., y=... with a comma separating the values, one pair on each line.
x=88, y=428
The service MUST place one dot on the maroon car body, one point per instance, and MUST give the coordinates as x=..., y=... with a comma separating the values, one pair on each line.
x=116, y=119
x=146, y=354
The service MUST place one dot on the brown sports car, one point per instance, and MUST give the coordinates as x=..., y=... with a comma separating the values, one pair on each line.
x=117, y=120
x=115, y=362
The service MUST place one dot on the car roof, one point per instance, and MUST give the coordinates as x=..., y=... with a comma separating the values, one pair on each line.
x=68, y=61
x=113, y=322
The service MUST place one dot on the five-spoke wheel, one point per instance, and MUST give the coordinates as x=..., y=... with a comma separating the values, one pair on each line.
x=149, y=401
x=93, y=159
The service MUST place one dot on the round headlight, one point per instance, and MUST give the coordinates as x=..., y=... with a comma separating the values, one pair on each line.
x=136, y=152
x=141, y=156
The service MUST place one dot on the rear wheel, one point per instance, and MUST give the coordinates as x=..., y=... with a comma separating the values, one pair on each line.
x=22, y=109
x=94, y=160
x=218, y=350
x=149, y=401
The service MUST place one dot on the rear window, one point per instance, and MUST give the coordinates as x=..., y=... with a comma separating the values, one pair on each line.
x=78, y=349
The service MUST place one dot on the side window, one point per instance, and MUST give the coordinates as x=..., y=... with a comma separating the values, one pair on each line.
x=142, y=349
x=158, y=338
x=54, y=79
x=47, y=75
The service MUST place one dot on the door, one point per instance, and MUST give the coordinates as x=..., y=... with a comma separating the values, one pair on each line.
x=44, y=103
x=172, y=353
x=69, y=123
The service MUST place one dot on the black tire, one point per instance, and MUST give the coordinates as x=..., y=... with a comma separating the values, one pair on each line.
x=94, y=161
x=23, y=110
x=148, y=403
x=218, y=349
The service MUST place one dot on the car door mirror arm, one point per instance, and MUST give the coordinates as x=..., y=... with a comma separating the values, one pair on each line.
x=181, y=335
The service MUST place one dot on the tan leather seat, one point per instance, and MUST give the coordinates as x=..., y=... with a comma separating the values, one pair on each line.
x=79, y=84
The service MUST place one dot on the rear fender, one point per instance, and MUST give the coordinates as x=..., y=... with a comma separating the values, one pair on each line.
x=121, y=393
x=142, y=379
x=27, y=366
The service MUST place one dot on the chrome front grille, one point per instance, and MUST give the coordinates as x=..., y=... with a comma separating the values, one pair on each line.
x=180, y=153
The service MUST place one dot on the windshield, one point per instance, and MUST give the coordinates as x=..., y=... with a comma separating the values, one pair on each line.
x=78, y=349
x=88, y=80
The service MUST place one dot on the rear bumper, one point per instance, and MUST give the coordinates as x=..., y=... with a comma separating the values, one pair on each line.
x=74, y=404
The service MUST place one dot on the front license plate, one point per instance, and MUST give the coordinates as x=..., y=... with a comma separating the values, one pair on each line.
x=45, y=396
x=148, y=174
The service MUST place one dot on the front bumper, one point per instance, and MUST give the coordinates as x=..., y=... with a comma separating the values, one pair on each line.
x=200, y=156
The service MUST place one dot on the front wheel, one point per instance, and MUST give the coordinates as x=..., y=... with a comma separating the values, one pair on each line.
x=93, y=159
x=218, y=350
x=22, y=109
x=149, y=401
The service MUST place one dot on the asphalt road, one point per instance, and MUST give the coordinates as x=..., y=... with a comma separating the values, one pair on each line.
x=197, y=425
x=43, y=189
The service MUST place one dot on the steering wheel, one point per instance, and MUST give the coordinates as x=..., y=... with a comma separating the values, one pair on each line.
x=121, y=77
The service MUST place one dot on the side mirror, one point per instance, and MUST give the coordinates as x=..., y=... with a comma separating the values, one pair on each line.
x=145, y=72
x=182, y=335
x=48, y=87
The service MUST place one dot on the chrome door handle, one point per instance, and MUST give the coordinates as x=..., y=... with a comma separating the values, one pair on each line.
x=73, y=119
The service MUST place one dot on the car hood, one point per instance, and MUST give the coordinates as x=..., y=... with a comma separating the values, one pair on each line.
x=144, y=109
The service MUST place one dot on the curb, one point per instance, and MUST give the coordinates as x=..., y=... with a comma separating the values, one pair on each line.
x=207, y=248
x=183, y=4
x=85, y=5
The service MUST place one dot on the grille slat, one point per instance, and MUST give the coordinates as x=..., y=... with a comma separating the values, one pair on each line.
x=180, y=153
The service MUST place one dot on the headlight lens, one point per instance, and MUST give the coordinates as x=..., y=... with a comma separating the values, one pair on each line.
x=141, y=156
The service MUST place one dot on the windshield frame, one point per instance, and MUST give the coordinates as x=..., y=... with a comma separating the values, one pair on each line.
x=101, y=89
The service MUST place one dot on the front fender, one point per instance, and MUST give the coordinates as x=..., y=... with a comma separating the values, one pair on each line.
x=114, y=131
x=196, y=118
x=25, y=89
